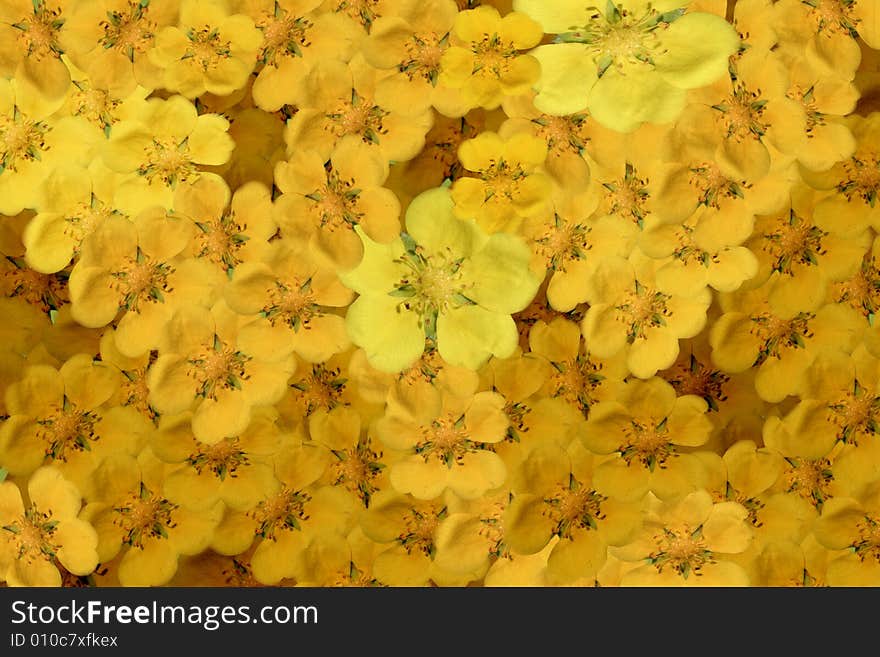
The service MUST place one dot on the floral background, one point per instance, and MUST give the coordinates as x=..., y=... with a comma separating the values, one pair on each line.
x=439, y=293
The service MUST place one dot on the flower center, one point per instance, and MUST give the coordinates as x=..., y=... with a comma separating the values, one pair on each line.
x=357, y=468
x=363, y=11
x=432, y=286
x=128, y=31
x=647, y=444
x=713, y=186
x=862, y=291
x=32, y=535
x=681, y=549
x=293, y=303
x=626, y=197
x=419, y=526
x=48, y=292
x=142, y=280
x=741, y=114
x=855, y=413
x=794, y=241
x=219, y=367
x=833, y=16
x=21, y=140
x=446, y=440
x=778, y=334
x=868, y=543
x=697, y=379
x=808, y=101
x=85, y=219
x=39, y=32
x=336, y=202
x=284, y=35
x=563, y=243
x=145, y=516
x=358, y=117
x=861, y=178
x=493, y=56
x=810, y=479
x=206, y=48
x=575, y=380
x=223, y=458
x=220, y=240
x=68, y=430
x=167, y=160
x=621, y=39
x=136, y=393
x=285, y=510
x=423, y=53
x=564, y=134
x=642, y=309
x=573, y=507
x=321, y=389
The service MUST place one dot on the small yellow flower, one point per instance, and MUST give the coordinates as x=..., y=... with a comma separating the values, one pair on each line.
x=38, y=538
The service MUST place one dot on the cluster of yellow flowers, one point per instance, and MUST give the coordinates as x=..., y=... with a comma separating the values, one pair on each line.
x=439, y=292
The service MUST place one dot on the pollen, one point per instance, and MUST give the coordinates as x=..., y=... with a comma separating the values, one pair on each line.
x=627, y=196
x=223, y=458
x=142, y=280
x=868, y=543
x=67, y=430
x=856, y=413
x=129, y=31
x=216, y=368
x=359, y=116
x=778, y=334
x=206, y=47
x=810, y=479
x=136, y=393
x=21, y=140
x=47, y=292
x=420, y=525
x=647, y=444
x=573, y=507
x=445, y=440
x=356, y=469
x=563, y=243
x=862, y=291
x=642, y=308
x=32, y=535
x=712, y=186
x=682, y=549
x=563, y=134
x=145, y=516
x=167, y=160
x=795, y=241
x=336, y=202
x=39, y=32
x=292, y=303
x=284, y=35
x=219, y=240
x=285, y=510
x=833, y=17
x=575, y=380
x=321, y=389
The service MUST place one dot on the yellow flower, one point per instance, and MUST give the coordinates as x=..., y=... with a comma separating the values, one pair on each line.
x=77, y=202
x=290, y=297
x=203, y=368
x=33, y=142
x=38, y=538
x=781, y=347
x=507, y=186
x=346, y=102
x=410, y=39
x=644, y=431
x=447, y=444
x=31, y=38
x=110, y=41
x=140, y=527
x=57, y=416
x=209, y=50
x=688, y=542
x=322, y=203
x=485, y=61
x=556, y=496
x=628, y=62
x=161, y=147
x=851, y=525
x=295, y=35
x=444, y=280
x=236, y=470
x=630, y=312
